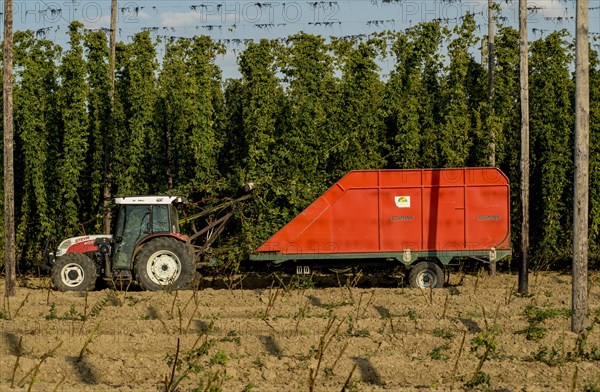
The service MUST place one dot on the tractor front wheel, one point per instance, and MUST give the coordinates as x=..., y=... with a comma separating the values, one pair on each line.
x=426, y=274
x=165, y=263
x=74, y=272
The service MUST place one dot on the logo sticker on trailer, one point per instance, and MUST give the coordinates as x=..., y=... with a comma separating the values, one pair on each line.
x=402, y=201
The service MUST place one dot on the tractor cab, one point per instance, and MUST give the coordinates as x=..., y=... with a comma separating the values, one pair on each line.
x=138, y=219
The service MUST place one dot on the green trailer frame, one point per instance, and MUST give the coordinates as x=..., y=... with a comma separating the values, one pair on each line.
x=407, y=257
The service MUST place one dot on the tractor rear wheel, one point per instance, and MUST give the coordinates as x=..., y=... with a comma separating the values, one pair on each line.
x=74, y=272
x=165, y=263
x=426, y=274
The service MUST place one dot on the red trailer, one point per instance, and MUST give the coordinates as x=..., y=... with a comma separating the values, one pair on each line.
x=422, y=218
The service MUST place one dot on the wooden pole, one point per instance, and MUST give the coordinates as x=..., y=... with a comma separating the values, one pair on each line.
x=524, y=78
x=491, y=61
x=10, y=263
x=107, y=194
x=113, y=51
x=581, y=196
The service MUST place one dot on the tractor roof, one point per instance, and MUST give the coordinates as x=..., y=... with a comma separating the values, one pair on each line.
x=150, y=200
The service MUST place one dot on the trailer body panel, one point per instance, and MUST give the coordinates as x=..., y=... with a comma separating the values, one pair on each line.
x=399, y=212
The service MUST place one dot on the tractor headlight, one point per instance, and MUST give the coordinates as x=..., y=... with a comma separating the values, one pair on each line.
x=104, y=248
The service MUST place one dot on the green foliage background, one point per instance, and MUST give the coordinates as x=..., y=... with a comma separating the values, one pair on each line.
x=305, y=110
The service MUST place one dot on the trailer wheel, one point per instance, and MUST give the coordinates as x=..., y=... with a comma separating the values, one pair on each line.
x=74, y=272
x=165, y=263
x=426, y=274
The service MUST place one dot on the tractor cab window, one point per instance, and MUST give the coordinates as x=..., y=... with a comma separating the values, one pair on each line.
x=174, y=219
x=133, y=221
x=160, y=219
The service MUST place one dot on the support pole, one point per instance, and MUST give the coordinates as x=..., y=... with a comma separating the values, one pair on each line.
x=581, y=196
x=524, y=78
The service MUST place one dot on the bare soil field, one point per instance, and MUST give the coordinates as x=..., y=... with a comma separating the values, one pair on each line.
x=474, y=334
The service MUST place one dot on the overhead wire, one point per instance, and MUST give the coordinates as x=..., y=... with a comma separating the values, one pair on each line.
x=227, y=31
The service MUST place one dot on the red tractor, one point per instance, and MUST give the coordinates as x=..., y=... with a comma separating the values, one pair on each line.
x=146, y=246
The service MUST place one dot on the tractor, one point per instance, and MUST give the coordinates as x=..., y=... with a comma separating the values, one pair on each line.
x=146, y=245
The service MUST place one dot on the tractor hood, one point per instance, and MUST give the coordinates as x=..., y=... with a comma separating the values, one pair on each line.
x=82, y=244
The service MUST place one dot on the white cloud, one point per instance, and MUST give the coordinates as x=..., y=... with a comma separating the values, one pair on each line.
x=144, y=15
x=102, y=22
x=181, y=19
x=544, y=8
x=551, y=8
x=95, y=21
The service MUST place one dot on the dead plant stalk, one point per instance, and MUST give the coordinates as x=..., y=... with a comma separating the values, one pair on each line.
x=36, y=368
x=326, y=338
x=19, y=350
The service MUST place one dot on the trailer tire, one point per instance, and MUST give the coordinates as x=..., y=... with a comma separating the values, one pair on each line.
x=165, y=263
x=426, y=274
x=74, y=272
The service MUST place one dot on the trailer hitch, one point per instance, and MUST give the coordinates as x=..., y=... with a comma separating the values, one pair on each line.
x=216, y=220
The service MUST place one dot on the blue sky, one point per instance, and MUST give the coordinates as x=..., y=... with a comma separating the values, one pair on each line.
x=236, y=21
